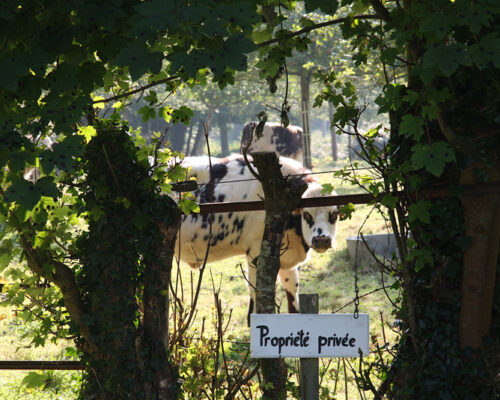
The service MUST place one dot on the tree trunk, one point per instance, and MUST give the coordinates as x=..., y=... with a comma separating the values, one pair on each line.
x=305, y=83
x=190, y=135
x=198, y=140
x=177, y=136
x=280, y=199
x=333, y=135
x=224, y=140
x=482, y=226
x=164, y=375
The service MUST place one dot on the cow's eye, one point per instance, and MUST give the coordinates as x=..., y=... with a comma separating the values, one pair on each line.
x=332, y=217
x=308, y=218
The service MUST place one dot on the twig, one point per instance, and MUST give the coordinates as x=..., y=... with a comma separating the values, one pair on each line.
x=203, y=265
x=360, y=297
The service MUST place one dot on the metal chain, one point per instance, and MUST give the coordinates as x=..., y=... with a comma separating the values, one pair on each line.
x=356, y=295
x=356, y=287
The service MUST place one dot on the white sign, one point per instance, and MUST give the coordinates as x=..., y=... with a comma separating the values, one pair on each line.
x=308, y=335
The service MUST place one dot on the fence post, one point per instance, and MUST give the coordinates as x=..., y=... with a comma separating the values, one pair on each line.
x=309, y=367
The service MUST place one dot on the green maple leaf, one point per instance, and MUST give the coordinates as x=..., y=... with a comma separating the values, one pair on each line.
x=389, y=201
x=11, y=69
x=420, y=211
x=432, y=157
x=139, y=60
x=47, y=187
x=412, y=126
x=327, y=6
x=24, y=193
x=34, y=380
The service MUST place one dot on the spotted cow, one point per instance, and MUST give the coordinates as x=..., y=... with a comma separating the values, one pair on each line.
x=286, y=142
x=240, y=233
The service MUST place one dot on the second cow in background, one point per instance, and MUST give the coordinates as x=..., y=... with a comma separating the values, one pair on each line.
x=285, y=142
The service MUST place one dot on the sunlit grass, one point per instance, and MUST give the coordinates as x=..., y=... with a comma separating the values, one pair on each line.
x=57, y=384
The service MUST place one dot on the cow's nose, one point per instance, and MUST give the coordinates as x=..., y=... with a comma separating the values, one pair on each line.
x=321, y=242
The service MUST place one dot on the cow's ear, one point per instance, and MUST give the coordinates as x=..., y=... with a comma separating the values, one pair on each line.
x=297, y=211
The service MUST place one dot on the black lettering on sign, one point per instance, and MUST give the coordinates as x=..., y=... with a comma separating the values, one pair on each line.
x=335, y=341
x=300, y=339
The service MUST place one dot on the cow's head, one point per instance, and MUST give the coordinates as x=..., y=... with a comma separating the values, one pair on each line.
x=319, y=224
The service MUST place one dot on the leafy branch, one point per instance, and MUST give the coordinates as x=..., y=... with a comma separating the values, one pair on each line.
x=316, y=26
x=259, y=45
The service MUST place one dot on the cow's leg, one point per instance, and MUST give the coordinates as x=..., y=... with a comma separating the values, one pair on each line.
x=289, y=278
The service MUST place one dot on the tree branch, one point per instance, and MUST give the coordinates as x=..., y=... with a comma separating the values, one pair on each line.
x=317, y=26
x=381, y=11
x=64, y=278
x=448, y=131
x=138, y=90
x=263, y=44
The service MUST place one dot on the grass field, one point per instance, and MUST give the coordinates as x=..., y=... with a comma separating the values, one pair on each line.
x=329, y=274
x=54, y=384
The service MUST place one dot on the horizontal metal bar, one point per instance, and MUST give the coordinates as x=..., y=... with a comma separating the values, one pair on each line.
x=32, y=365
x=340, y=200
x=207, y=208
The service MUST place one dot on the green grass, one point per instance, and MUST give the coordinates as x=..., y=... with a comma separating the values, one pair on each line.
x=56, y=384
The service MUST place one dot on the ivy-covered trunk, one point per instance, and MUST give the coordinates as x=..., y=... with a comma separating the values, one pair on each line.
x=126, y=261
x=444, y=133
x=449, y=280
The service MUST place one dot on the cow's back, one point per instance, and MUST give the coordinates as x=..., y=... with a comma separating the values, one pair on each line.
x=286, y=142
x=232, y=233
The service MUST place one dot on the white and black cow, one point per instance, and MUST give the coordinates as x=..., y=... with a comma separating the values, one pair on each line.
x=286, y=142
x=240, y=233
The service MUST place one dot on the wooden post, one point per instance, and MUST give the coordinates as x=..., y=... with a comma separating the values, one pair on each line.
x=309, y=367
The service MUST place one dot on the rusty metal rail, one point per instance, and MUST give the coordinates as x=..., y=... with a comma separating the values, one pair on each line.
x=32, y=365
x=206, y=208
